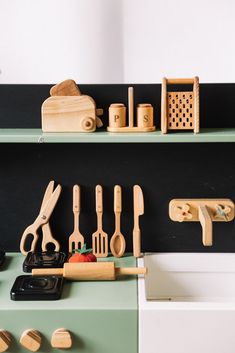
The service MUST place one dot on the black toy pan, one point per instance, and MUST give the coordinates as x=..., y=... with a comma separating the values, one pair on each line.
x=44, y=260
x=27, y=287
x=2, y=257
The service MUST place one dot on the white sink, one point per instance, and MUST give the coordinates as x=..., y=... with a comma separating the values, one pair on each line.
x=187, y=303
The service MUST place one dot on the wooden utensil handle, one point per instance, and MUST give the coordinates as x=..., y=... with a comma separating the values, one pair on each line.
x=76, y=199
x=117, y=199
x=29, y=231
x=48, y=272
x=48, y=238
x=123, y=271
x=180, y=81
x=131, y=106
x=136, y=242
x=99, y=199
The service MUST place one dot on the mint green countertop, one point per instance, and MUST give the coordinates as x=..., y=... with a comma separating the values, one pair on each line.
x=101, y=315
x=108, y=295
x=36, y=135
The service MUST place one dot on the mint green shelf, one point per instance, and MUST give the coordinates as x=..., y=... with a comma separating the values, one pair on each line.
x=19, y=135
x=36, y=135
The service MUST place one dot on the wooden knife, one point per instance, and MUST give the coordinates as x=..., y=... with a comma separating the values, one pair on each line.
x=138, y=211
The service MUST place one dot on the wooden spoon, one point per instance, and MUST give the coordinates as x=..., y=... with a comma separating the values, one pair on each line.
x=117, y=242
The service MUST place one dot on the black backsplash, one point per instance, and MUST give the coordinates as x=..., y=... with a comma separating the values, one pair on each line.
x=20, y=105
x=165, y=171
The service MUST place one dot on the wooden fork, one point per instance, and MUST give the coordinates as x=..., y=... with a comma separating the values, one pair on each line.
x=76, y=239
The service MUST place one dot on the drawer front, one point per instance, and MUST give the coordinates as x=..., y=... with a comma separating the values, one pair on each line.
x=98, y=331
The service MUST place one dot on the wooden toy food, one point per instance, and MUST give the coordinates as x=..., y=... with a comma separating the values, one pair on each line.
x=117, y=116
x=83, y=255
x=69, y=111
x=65, y=88
x=91, y=271
x=180, y=110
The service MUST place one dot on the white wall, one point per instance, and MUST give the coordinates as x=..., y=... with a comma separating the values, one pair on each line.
x=180, y=38
x=45, y=41
x=95, y=41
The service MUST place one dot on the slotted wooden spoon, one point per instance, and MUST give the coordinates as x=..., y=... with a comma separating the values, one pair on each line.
x=76, y=239
x=99, y=238
x=117, y=242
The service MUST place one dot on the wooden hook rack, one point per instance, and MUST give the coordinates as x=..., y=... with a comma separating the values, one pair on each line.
x=204, y=211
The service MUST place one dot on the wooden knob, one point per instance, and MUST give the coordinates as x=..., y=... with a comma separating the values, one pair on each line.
x=5, y=340
x=31, y=340
x=88, y=124
x=61, y=338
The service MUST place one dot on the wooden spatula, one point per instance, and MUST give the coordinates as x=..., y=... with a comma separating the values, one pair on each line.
x=117, y=242
x=138, y=211
x=99, y=238
x=76, y=239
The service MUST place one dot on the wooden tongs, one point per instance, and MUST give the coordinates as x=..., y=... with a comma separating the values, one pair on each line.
x=48, y=204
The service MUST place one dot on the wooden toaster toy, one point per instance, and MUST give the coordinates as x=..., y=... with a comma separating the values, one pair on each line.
x=117, y=116
x=180, y=110
x=67, y=110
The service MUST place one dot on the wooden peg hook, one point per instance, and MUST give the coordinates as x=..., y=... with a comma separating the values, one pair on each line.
x=204, y=211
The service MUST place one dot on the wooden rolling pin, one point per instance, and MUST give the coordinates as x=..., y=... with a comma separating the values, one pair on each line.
x=90, y=271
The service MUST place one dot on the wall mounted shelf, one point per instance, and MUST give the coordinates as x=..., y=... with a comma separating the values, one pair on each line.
x=37, y=136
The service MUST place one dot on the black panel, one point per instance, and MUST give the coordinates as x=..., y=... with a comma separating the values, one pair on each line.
x=165, y=171
x=20, y=105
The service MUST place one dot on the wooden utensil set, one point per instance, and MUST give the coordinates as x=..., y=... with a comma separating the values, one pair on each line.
x=99, y=237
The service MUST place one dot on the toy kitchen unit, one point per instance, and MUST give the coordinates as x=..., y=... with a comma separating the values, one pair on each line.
x=117, y=218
